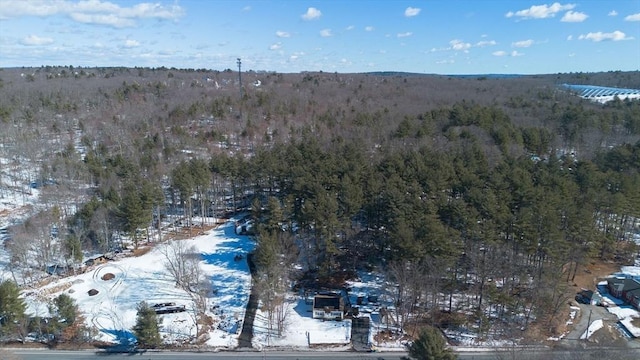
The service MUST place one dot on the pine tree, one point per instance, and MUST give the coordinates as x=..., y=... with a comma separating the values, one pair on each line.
x=430, y=345
x=12, y=308
x=147, y=329
x=68, y=324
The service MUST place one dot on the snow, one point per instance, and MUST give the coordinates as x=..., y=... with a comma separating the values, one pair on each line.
x=113, y=310
x=627, y=315
x=628, y=324
x=593, y=327
x=630, y=270
x=623, y=312
x=301, y=330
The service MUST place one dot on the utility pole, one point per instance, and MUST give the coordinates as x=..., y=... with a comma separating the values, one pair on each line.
x=586, y=338
x=240, y=83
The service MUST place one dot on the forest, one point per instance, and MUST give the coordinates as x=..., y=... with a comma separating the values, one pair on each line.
x=481, y=198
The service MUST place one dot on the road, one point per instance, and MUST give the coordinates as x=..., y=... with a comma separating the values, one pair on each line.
x=517, y=354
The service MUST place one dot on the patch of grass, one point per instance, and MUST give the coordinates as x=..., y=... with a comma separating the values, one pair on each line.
x=141, y=251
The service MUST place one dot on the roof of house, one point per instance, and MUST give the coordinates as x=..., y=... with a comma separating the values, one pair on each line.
x=322, y=301
x=635, y=293
x=624, y=284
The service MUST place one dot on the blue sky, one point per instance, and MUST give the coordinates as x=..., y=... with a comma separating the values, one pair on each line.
x=443, y=37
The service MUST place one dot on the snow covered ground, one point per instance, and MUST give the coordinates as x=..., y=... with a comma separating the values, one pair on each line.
x=593, y=327
x=112, y=310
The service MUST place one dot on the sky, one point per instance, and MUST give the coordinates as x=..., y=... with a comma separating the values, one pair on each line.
x=346, y=36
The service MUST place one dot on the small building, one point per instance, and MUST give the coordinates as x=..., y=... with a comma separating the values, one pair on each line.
x=328, y=306
x=619, y=287
x=97, y=260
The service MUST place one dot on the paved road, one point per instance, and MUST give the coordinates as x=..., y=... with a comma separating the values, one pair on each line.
x=92, y=355
x=517, y=354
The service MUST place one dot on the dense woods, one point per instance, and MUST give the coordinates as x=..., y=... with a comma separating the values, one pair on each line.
x=481, y=193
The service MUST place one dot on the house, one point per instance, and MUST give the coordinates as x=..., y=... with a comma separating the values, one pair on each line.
x=618, y=287
x=59, y=269
x=97, y=260
x=328, y=306
x=633, y=298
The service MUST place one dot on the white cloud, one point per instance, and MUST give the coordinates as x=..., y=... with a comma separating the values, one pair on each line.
x=541, y=11
x=131, y=43
x=486, y=43
x=35, y=40
x=91, y=11
x=350, y=27
x=459, y=45
x=282, y=34
x=102, y=19
x=326, y=33
x=613, y=13
x=246, y=8
x=570, y=37
x=633, y=17
x=600, y=36
x=574, y=16
x=522, y=43
x=312, y=14
x=411, y=11
x=276, y=46
x=368, y=28
x=501, y=53
x=405, y=34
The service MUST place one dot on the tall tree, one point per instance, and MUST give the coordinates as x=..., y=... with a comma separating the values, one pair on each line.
x=147, y=328
x=12, y=308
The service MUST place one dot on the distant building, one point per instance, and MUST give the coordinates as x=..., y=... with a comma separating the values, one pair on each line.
x=328, y=306
x=603, y=94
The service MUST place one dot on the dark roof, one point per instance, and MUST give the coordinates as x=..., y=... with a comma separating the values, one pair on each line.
x=324, y=301
x=624, y=284
x=634, y=293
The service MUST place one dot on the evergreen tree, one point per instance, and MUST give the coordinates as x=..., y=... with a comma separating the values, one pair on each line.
x=147, y=328
x=12, y=308
x=67, y=323
x=430, y=345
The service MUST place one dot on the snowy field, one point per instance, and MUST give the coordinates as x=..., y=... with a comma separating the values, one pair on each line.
x=112, y=310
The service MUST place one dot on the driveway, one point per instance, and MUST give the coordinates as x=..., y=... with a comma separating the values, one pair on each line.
x=607, y=336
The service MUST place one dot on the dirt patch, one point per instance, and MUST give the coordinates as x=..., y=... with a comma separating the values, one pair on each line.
x=588, y=276
x=141, y=251
x=108, y=276
x=92, y=292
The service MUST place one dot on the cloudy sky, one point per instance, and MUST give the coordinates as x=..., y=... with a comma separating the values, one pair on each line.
x=437, y=36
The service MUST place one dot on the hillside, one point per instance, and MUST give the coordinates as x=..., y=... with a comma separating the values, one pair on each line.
x=480, y=198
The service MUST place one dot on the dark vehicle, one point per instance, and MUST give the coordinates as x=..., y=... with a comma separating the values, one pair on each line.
x=584, y=297
x=168, y=308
